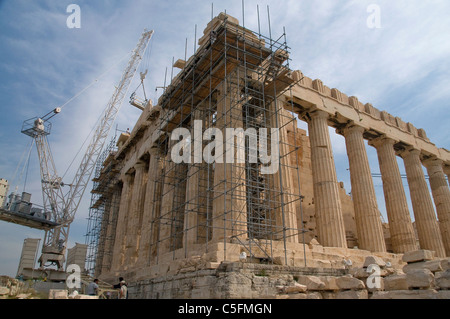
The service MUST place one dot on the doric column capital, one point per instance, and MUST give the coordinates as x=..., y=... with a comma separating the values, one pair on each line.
x=155, y=151
x=409, y=150
x=352, y=128
x=381, y=140
x=447, y=169
x=126, y=178
x=319, y=114
x=140, y=165
x=433, y=162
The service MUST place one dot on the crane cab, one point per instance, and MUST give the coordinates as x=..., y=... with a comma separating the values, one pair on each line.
x=39, y=125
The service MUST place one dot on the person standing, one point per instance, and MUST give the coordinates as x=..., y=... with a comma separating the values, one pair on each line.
x=118, y=285
x=123, y=293
x=92, y=289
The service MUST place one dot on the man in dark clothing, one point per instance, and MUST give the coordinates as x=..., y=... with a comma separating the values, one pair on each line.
x=118, y=285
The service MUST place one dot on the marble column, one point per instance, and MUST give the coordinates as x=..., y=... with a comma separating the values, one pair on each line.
x=328, y=207
x=197, y=193
x=447, y=172
x=166, y=218
x=110, y=231
x=136, y=211
x=229, y=216
x=367, y=215
x=282, y=183
x=171, y=220
x=105, y=227
x=400, y=225
x=426, y=223
x=120, y=241
x=151, y=208
x=441, y=195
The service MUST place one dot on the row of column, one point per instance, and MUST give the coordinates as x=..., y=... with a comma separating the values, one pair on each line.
x=141, y=202
x=138, y=206
x=330, y=226
x=143, y=223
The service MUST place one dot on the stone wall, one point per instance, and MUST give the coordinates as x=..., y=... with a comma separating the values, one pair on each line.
x=17, y=289
x=421, y=277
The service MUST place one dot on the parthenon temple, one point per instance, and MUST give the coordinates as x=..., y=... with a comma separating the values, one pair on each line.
x=158, y=222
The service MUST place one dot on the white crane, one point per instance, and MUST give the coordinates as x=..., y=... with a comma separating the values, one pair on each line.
x=63, y=205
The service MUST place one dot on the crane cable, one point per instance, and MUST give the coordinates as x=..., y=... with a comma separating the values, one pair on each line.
x=27, y=169
x=82, y=145
x=26, y=152
x=95, y=81
x=143, y=69
x=78, y=94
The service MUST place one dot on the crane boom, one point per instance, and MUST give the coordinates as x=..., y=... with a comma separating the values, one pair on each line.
x=94, y=149
x=63, y=207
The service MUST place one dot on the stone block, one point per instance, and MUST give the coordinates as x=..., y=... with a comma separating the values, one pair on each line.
x=370, y=109
x=412, y=129
x=296, y=288
x=200, y=293
x=443, y=294
x=405, y=294
x=349, y=282
x=445, y=264
x=353, y=294
x=84, y=297
x=205, y=281
x=388, y=118
x=307, y=82
x=328, y=294
x=297, y=75
x=396, y=282
x=301, y=296
x=14, y=290
x=353, y=101
x=314, y=295
x=330, y=283
x=418, y=255
x=431, y=265
x=401, y=124
x=374, y=260
x=212, y=265
x=443, y=279
x=4, y=291
x=419, y=278
x=422, y=133
x=58, y=294
x=318, y=85
x=319, y=263
x=335, y=93
x=360, y=273
x=311, y=282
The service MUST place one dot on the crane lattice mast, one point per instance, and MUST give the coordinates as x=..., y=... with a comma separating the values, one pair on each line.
x=64, y=206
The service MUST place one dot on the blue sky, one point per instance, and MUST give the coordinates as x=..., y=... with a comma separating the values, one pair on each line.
x=402, y=67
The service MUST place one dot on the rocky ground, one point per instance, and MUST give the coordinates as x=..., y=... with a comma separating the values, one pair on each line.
x=11, y=288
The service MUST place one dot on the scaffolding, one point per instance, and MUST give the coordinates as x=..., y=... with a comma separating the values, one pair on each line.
x=236, y=79
x=103, y=209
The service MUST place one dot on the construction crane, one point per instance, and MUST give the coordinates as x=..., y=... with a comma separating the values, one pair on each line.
x=61, y=204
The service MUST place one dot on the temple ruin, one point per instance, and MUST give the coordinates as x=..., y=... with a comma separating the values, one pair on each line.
x=184, y=230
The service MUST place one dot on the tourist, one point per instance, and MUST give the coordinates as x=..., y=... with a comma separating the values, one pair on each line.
x=123, y=293
x=92, y=289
